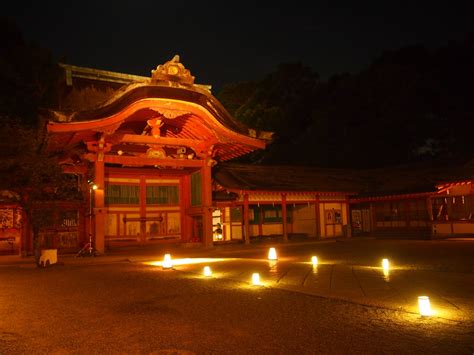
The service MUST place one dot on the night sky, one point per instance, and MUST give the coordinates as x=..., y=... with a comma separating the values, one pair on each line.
x=223, y=42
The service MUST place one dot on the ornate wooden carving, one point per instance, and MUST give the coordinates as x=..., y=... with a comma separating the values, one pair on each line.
x=109, y=129
x=206, y=149
x=156, y=152
x=171, y=113
x=172, y=71
x=211, y=162
x=165, y=141
x=155, y=124
x=100, y=147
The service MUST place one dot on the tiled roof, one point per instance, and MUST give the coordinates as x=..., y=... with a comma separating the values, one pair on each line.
x=397, y=180
x=286, y=178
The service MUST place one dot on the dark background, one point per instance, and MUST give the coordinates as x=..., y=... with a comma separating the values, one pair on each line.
x=222, y=42
x=350, y=85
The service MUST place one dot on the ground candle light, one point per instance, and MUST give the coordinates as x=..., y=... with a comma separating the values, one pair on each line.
x=255, y=279
x=272, y=254
x=207, y=271
x=167, y=264
x=314, y=260
x=424, y=306
x=385, y=264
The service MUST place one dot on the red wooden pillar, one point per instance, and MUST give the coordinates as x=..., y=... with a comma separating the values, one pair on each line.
x=430, y=222
x=89, y=224
x=207, y=204
x=82, y=230
x=99, y=212
x=142, y=191
x=407, y=212
x=349, y=222
x=26, y=233
x=317, y=217
x=429, y=208
x=260, y=221
x=246, y=219
x=373, y=217
x=283, y=215
x=185, y=204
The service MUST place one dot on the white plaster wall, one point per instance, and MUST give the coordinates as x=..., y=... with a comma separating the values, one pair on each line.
x=270, y=229
x=304, y=220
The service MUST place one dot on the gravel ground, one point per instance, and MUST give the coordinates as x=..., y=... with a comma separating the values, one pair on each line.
x=131, y=308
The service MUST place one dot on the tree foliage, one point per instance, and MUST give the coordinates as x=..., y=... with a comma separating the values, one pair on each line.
x=410, y=104
x=26, y=168
x=280, y=103
x=28, y=83
x=28, y=75
x=36, y=177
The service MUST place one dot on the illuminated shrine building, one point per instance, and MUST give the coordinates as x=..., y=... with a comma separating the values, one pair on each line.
x=149, y=148
x=160, y=149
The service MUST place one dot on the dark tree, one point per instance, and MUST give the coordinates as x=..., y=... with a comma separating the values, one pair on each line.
x=28, y=75
x=235, y=95
x=280, y=103
x=35, y=176
x=28, y=83
x=410, y=105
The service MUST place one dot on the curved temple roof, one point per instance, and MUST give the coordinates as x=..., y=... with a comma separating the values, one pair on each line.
x=169, y=115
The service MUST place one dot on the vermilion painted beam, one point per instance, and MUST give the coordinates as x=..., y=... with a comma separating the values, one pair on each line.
x=76, y=169
x=319, y=193
x=391, y=197
x=139, y=139
x=121, y=116
x=126, y=160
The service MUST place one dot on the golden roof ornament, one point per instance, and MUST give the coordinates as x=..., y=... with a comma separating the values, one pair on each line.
x=172, y=71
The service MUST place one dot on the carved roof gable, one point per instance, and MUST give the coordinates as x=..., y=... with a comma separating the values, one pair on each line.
x=172, y=71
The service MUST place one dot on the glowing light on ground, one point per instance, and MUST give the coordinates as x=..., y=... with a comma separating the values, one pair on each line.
x=256, y=279
x=187, y=261
x=386, y=269
x=272, y=254
x=424, y=306
x=273, y=265
x=207, y=271
x=167, y=264
x=314, y=260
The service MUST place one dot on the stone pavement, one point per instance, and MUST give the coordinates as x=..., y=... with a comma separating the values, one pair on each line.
x=451, y=293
